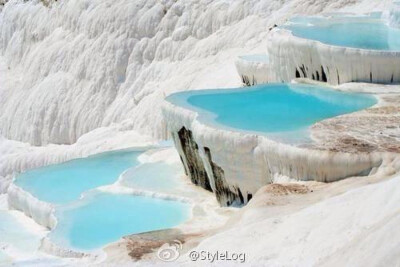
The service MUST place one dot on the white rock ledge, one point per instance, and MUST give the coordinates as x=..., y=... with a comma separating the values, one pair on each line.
x=40, y=211
x=237, y=164
x=253, y=72
x=294, y=57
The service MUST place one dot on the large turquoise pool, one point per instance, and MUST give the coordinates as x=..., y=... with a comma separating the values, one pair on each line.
x=366, y=32
x=271, y=108
x=88, y=218
x=65, y=182
x=103, y=218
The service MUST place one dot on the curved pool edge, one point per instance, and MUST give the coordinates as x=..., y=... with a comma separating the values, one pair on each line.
x=41, y=212
x=234, y=165
x=296, y=57
x=253, y=72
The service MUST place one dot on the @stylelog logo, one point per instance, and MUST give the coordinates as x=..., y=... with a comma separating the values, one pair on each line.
x=169, y=251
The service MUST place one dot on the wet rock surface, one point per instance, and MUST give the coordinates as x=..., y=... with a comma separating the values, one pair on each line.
x=193, y=164
x=222, y=191
x=376, y=129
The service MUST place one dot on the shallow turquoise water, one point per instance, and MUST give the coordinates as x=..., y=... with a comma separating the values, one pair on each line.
x=357, y=32
x=271, y=108
x=154, y=176
x=103, y=218
x=65, y=182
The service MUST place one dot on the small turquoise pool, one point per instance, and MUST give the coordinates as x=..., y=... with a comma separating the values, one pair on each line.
x=366, y=32
x=103, y=218
x=65, y=182
x=271, y=108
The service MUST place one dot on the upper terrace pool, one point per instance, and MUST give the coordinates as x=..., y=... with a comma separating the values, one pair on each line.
x=365, y=32
x=271, y=108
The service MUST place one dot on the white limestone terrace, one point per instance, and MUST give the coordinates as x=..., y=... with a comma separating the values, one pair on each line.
x=235, y=164
x=253, y=69
x=337, y=49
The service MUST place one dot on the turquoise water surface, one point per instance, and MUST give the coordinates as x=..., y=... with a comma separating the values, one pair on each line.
x=65, y=182
x=271, y=108
x=154, y=176
x=103, y=218
x=366, y=32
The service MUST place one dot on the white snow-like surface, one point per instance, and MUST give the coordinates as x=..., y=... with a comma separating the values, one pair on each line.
x=79, y=65
x=356, y=228
x=289, y=53
x=254, y=71
x=83, y=77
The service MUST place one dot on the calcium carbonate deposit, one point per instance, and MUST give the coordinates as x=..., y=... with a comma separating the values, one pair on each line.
x=81, y=77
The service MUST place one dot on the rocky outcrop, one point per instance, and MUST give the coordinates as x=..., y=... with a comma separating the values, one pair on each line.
x=253, y=72
x=294, y=57
x=236, y=164
x=191, y=159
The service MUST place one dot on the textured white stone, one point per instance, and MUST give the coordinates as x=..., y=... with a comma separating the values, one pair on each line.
x=255, y=72
x=288, y=53
x=251, y=161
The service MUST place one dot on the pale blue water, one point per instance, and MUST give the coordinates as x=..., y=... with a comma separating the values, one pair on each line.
x=256, y=58
x=271, y=108
x=65, y=182
x=103, y=218
x=368, y=32
x=154, y=176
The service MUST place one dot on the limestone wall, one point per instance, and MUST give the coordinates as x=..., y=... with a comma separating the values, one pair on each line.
x=237, y=164
x=293, y=57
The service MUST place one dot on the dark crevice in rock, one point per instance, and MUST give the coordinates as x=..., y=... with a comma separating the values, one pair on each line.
x=370, y=77
x=303, y=70
x=338, y=78
x=249, y=196
x=194, y=165
x=246, y=80
x=240, y=196
x=222, y=191
x=391, y=79
x=317, y=75
x=323, y=75
x=312, y=76
x=297, y=73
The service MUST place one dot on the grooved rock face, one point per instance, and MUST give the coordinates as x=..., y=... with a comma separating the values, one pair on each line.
x=73, y=66
x=192, y=162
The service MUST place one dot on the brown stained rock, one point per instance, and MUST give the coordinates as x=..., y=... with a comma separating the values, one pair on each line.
x=385, y=110
x=371, y=130
x=286, y=189
x=139, y=245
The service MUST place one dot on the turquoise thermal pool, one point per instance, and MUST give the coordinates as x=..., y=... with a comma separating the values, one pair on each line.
x=103, y=218
x=65, y=182
x=271, y=108
x=88, y=218
x=366, y=32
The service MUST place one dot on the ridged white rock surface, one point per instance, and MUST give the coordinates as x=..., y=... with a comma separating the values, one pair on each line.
x=41, y=212
x=312, y=59
x=250, y=161
x=253, y=72
x=79, y=65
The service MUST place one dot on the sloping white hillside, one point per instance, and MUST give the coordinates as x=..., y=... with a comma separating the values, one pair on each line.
x=357, y=228
x=78, y=65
